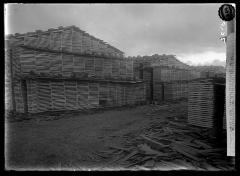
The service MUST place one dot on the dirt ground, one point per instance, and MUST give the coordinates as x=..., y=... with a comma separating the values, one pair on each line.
x=72, y=141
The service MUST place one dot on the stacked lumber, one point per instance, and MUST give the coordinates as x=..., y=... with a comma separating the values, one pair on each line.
x=43, y=41
x=8, y=81
x=167, y=74
x=201, y=103
x=32, y=95
x=131, y=95
x=202, y=99
x=103, y=94
x=77, y=42
x=89, y=66
x=56, y=64
x=44, y=96
x=136, y=69
x=107, y=65
x=147, y=77
x=122, y=69
x=58, y=96
x=55, y=95
x=67, y=65
x=98, y=67
x=82, y=95
x=118, y=95
x=129, y=69
x=112, y=95
x=158, y=94
x=54, y=61
x=27, y=61
x=194, y=74
x=68, y=39
x=115, y=68
x=42, y=63
x=93, y=96
x=78, y=64
x=170, y=90
x=15, y=61
x=71, y=95
x=18, y=97
x=224, y=117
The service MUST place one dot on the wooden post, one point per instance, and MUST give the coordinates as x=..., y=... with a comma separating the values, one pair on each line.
x=230, y=86
x=12, y=79
x=24, y=95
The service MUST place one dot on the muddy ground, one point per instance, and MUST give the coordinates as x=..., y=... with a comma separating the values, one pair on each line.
x=73, y=141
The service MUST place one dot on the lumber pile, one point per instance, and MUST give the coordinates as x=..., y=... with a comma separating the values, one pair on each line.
x=54, y=62
x=170, y=83
x=66, y=39
x=224, y=117
x=165, y=77
x=8, y=82
x=55, y=95
x=18, y=96
x=165, y=91
x=147, y=77
x=30, y=60
x=175, y=90
x=167, y=74
x=204, y=95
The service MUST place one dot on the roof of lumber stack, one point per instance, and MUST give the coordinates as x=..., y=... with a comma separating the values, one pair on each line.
x=66, y=39
x=160, y=60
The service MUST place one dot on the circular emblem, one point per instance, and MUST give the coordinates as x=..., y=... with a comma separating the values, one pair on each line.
x=226, y=12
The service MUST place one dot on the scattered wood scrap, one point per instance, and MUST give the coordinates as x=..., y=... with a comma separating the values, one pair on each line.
x=154, y=144
x=129, y=156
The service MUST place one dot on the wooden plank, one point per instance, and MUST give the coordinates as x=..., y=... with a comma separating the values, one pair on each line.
x=154, y=144
x=120, y=148
x=183, y=152
x=129, y=155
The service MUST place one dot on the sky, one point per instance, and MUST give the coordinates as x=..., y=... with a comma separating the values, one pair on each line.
x=190, y=31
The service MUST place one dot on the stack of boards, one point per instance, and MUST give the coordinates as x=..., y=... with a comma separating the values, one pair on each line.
x=167, y=74
x=224, y=117
x=66, y=64
x=49, y=95
x=202, y=97
x=173, y=90
x=67, y=69
x=147, y=77
x=69, y=39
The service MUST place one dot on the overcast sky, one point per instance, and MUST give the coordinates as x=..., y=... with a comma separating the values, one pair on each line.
x=189, y=31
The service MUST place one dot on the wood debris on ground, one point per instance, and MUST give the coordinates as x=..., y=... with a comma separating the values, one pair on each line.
x=174, y=145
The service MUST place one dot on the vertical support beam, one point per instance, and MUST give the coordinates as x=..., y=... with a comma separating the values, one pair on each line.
x=162, y=91
x=61, y=40
x=50, y=40
x=24, y=95
x=12, y=80
x=71, y=39
x=151, y=84
x=230, y=86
